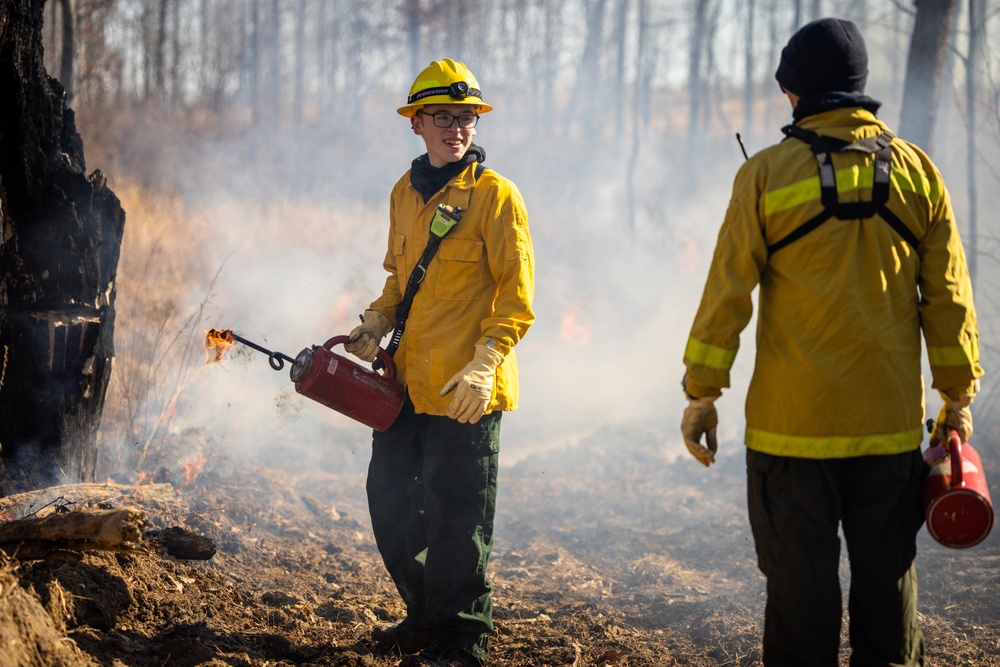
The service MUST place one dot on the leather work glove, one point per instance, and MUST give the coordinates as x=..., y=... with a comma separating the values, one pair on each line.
x=955, y=414
x=700, y=418
x=366, y=337
x=473, y=386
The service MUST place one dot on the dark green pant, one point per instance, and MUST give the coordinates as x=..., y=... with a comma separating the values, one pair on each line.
x=432, y=488
x=795, y=507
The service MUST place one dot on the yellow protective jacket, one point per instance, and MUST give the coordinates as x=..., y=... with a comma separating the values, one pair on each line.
x=478, y=287
x=841, y=310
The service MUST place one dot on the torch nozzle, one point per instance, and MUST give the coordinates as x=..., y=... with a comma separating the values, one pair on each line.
x=220, y=340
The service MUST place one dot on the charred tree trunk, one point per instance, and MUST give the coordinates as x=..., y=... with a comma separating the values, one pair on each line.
x=59, y=243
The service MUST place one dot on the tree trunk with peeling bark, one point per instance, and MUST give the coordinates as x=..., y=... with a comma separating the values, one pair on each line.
x=60, y=236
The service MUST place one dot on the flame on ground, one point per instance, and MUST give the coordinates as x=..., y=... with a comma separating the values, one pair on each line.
x=191, y=471
x=216, y=342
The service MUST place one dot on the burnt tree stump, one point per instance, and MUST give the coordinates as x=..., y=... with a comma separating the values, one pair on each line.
x=60, y=237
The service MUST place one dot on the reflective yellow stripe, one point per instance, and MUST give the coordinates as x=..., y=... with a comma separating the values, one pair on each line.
x=791, y=196
x=848, y=179
x=833, y=447
x=709, y=355
x=918, y=183
x=957, y=355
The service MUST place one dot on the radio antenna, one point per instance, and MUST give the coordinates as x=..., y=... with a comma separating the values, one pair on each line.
x=742, y=147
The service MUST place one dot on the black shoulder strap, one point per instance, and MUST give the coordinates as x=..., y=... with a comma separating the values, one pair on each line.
x=822, y=146
x=417, y=277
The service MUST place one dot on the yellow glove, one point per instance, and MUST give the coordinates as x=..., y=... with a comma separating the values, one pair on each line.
x=366, y=337
x=700, y=418
x=955, y=414
x=473, y=386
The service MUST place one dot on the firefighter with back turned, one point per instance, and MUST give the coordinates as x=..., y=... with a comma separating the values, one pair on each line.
x=849, y=233
x=432, y=479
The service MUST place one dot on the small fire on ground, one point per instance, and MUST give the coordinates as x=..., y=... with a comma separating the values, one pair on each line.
x=216, y=342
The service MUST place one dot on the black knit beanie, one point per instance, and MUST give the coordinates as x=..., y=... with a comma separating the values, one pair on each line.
x=824, y=56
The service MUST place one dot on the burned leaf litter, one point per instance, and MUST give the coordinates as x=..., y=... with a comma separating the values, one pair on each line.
x=620, y=558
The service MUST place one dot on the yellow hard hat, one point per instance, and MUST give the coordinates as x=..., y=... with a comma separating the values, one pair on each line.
x=444, y=82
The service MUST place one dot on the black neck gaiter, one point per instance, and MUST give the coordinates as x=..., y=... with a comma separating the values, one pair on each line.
x=810, y=106
x=428, y=180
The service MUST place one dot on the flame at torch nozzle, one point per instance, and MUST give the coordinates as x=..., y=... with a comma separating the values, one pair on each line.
x=217, y=341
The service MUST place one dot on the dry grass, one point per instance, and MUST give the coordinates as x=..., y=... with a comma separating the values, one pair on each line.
x=155, y=339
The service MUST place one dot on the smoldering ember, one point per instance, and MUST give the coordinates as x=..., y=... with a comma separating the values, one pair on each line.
x=170, y=167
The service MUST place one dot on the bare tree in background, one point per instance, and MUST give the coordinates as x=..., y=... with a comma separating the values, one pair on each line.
x=645, y=66
x=411, y=12
x=273, y=77
x=584, y=103
x=548, y=65
x=176, y=92
x=460, y=13
x=972, y=66
x=816, y=11
x=922, y=87
x=254, y=75
x=776, y=33
x=298, y=89
x=324, y=55
x=204, y=48
x=697, y=81
x=619, y=43
x=159, y=51
x=749, y=88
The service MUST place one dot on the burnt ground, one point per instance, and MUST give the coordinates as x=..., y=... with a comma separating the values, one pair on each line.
x=604, y=557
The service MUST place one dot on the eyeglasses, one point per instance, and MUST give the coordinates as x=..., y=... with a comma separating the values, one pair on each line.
x=444, y=119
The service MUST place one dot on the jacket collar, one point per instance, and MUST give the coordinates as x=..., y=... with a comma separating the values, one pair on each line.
x=428, y=180
x=849, y=123
x=809, y=106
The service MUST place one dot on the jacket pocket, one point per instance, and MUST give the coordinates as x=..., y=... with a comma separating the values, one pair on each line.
x=461, y=276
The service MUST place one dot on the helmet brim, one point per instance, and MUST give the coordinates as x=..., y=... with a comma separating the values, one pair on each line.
x=410, y=110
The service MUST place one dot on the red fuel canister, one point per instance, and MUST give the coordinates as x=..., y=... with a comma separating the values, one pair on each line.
x=345, y=386
x=957, y=502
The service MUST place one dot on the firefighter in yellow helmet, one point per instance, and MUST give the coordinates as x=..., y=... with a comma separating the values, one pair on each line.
x=849, y=233
x=432, y=480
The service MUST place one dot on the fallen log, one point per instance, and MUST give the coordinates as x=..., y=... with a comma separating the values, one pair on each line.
x=65, y=535
x=106, y=495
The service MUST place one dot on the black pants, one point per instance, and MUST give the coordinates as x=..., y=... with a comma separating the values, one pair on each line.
x=795, y=507
x=432, y=487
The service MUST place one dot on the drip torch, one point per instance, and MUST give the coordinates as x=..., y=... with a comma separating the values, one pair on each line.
x=957, y=502
x=330, y=379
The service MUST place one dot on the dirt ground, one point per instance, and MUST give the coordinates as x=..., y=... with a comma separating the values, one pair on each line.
x=604, y=556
